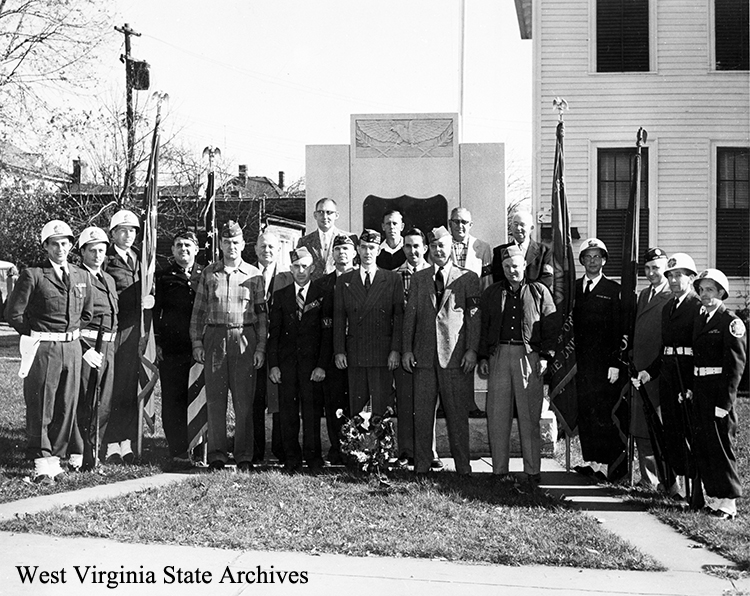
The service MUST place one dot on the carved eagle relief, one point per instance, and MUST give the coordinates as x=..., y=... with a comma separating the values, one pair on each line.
x=429, y=137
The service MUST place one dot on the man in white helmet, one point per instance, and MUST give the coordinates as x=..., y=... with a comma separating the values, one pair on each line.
x=124, y=265
x=92, y=245
x=596, y=319
x=48, y=306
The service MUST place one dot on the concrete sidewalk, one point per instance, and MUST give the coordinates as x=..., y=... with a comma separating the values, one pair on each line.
x=176, y=569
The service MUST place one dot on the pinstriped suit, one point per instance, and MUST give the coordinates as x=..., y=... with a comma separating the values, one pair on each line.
x=367, y=327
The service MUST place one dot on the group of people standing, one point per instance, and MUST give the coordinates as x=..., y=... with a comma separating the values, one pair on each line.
x=405, y=327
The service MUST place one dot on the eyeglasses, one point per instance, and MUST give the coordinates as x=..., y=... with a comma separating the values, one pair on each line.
x=329, y=213
x=459, y=222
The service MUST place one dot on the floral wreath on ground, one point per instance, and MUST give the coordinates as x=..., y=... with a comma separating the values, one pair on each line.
x=368, y=442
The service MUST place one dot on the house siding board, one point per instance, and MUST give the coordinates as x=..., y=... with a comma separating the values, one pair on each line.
x=685, y=105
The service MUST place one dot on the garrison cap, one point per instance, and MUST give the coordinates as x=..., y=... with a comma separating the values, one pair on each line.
x=300, y=253
x=369, y=235
x=436, y=234
x=511, y=251
x=342, y=239
x=652, y=254
x=231, y=229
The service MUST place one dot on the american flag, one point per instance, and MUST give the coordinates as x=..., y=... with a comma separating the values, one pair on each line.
x=148, y=373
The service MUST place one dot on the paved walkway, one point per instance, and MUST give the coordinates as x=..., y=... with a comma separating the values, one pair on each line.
x=326, y=574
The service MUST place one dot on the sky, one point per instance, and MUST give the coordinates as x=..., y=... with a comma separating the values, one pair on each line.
x=260, y=79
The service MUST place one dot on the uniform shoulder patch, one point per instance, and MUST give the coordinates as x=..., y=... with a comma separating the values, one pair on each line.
x=548, y=269
x=737, y=328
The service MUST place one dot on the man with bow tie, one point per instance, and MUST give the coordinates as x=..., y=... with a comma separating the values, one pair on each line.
x=48, y=306
x=175, y=294
x=440, y=342
x=297, y=358
x=368, y=314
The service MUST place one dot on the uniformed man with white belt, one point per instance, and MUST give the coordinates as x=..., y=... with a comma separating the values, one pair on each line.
x=48, y=306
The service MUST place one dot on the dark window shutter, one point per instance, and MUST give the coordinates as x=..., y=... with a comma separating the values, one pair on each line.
x=610, y=229
x=733, y=210
x=622, y=36
x=732, y=23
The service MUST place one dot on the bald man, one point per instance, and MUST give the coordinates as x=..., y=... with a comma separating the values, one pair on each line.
x=538, y=257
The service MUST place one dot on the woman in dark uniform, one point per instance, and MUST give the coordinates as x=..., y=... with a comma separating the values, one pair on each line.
x=719, y=359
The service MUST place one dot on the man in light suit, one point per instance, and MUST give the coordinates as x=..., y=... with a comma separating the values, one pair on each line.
x=440, y=342
x=367, y=319
x=320, y=241
x=538, y=256
x=646, y=348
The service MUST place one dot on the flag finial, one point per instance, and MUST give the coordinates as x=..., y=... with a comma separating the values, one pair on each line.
x=560, y=105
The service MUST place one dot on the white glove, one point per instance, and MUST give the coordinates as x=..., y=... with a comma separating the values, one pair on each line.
x=613, y=374
x=148, y=302
x=720, y=412
x=93, y=358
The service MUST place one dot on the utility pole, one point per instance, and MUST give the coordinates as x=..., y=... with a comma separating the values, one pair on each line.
x=129, y=182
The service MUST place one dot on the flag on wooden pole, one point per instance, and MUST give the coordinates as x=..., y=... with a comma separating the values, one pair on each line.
x=148, y=373
x=562, y=370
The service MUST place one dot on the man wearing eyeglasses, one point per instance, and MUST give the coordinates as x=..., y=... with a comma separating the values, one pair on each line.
x=470, y=252
x=320, y=242
x=596, y=319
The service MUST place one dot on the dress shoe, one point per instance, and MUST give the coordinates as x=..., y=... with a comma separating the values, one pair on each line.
x=477, y=413
x=436, y=464
x=335, y=458
x=718, y=513
x=292, y=469
x=114, y=459
x=43, y=480
x=216, y=466
x=315, y=466
x=128, y=458
x=245, y=467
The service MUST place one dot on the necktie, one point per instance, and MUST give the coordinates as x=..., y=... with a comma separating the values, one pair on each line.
x=439, y=285
x=651, y=294
x=406, y=275
x=66, y=278
x=367, y=281
x=589, y=283
x=300, y=304
x=131, y=262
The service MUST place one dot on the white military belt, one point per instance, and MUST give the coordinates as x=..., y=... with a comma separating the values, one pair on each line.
x=92, y=334
x=704, y=371
x=679, y=351
x=50, y=336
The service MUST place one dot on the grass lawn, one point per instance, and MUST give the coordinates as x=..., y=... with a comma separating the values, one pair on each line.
x=14, y=466
x=730, y=538
x=480, y=520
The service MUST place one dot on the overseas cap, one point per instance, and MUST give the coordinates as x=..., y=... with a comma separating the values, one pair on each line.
x=652, y=254
x=231, y=229
x=300, y=253
x=511, y=251
x=124, y=218
x=92, y=234
x=681, y=260
x=370, y=236
x=717, y=277
x=341, y=240
x=436, y=234
x=56, y=227
x=589, y=244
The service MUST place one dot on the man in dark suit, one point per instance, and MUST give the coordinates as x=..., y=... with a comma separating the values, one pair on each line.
x=336, y=383
x=92, y=245
x=596, y=317
x=297, y=358
x=319, y=242
x=275, y=276
x=175, y=294
x=440, y=342
x=538, y=256
x=124, y=265
x=48, y=306
x=368, y=314
x=646, y=348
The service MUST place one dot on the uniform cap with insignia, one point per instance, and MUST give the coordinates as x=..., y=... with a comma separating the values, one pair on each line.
x=715, y=276
x=681, y=260
x=186, y=234
x=92, y=234
x=231, y=229
x=589, y=244
x=369, y=235
x=341, y=240
x=56, y=227
x=511, y=251
x=436, y=234
x=300, y=253
x=652, y=254
x=124, y=218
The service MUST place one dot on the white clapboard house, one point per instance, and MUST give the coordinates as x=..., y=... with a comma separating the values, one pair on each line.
x=679, y=69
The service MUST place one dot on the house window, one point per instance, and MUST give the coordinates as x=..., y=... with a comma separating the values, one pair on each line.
x=614, y=169
x=622, y=35
x=731, y=33
x=733, y=210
